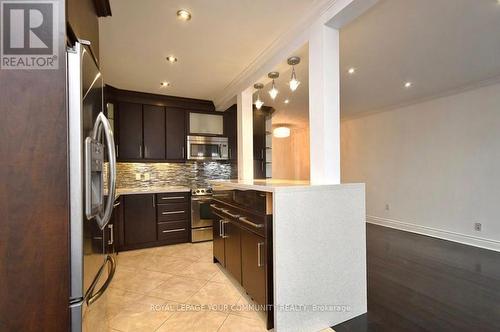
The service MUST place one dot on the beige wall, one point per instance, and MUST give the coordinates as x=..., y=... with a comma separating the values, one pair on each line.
x=291, y=156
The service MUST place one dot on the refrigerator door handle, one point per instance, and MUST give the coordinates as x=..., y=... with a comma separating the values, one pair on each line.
x=102, y=125
x=91, y=296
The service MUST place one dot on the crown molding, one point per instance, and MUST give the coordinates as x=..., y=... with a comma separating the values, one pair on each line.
x=287, y=43
x=443, y=94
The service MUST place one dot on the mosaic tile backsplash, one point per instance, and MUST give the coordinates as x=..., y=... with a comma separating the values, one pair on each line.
x=189, y=174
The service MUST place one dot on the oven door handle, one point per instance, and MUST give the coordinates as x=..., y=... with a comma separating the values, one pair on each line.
x=200, y=199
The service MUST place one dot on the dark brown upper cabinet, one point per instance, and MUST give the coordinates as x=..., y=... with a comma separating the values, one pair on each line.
x=259, y=143
x=231, y=131
x=154, y=132
x=153, y=128
x=175, y=125
x=130, y=131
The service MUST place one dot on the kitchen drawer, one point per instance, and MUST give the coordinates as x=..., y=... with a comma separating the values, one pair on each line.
x=177, y=231
x=165, y=225
x=252, y=223
x=172, y=198
x=173, y=211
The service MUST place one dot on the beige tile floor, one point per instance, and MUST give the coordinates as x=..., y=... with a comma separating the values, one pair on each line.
x=151, y=286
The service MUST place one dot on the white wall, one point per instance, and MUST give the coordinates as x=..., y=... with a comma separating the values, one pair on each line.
x=437, y=165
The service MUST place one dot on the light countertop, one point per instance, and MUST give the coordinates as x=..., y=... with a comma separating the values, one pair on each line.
x=269, y=185
x=276, y=185
x=151, y=190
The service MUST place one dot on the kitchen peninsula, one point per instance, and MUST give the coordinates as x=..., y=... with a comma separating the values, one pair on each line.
x=318, y=250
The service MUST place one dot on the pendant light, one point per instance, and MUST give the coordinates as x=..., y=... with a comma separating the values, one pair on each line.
x=258, y=102
x=294, y=83
x=273, y=92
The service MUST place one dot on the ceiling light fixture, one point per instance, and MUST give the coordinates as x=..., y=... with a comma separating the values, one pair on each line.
x=286, y=101
x=258, y=102
x=408, y=85
x=281, y=132
x=273, y=92
x=164, y=84
x=171, y=59
x=183, y=14
x=292, y=61
x=351, y=70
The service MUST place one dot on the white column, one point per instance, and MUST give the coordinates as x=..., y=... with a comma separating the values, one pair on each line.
x=324, y=105
x=245, y=134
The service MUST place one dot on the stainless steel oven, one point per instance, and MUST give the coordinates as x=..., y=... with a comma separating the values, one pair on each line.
x=207, y=148
x=201, y=216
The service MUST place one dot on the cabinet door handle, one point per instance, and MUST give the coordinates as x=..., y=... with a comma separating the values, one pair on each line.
x=262, y=154
x=236, y=216
x=248, y=222
x=224, y=236
x=220, y=228
x=183, y=155
x=140, y=151
x=216, y=207
x=259, y=254
x=111, y=235
x=174, y=230
x=145, y=151
x=230, y=153
x=174, y=197
x=117, y=151
x=172, y=212
x=154, y=201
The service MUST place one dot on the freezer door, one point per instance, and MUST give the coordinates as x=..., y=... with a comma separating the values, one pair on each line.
x=85, y=100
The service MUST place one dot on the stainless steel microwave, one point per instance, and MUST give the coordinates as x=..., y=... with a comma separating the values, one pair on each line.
x=207, y=148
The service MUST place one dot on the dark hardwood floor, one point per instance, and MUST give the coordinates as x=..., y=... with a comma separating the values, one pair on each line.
x=419, y=283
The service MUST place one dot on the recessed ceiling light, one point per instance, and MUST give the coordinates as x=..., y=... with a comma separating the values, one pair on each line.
x=164, y=84
x=183, y=14
x=351, y=70
x=171, y=59
x=286, y=101
x=408, y=85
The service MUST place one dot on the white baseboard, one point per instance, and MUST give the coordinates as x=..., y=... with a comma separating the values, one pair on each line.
x=437, y=233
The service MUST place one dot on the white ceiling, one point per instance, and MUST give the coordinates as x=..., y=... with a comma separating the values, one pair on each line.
x=439, y=45
x=221, y=40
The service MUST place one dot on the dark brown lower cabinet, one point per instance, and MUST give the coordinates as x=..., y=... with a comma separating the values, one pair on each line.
x=218, y=242
x=139, y=219
x=111, y=233
x=253, y=266
x=147, y=220
x=232, y=249
x=243, y=245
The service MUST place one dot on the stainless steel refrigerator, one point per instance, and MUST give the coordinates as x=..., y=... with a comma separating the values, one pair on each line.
x=91, y=150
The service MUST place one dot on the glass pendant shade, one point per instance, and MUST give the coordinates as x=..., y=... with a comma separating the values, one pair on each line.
x=294, y=84
x=273, y=92
x=259, y=103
